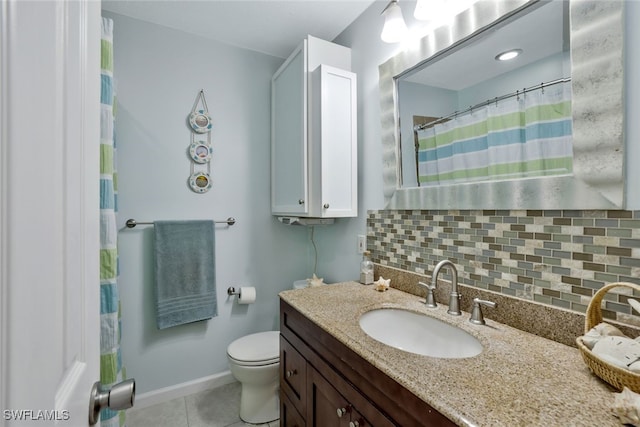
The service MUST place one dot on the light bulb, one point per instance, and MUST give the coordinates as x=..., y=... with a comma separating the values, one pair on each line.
x=421, y=12
x=509, y=54
x=394, y=29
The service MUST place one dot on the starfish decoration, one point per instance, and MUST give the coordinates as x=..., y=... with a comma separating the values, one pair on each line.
x=315, y=281
x=381, y=284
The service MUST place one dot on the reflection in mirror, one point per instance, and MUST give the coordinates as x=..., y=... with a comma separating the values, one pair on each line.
x=462, y=123
x=591, y=52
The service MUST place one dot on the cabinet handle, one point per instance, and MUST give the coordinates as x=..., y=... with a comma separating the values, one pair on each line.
x=341, y=412
x=291, y=373
x=355, y=424
x=301, y=201
x=326, y=205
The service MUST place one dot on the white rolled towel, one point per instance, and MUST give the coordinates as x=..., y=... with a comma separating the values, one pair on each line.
x=623, y=352
x=626, y=406
x=598, y=332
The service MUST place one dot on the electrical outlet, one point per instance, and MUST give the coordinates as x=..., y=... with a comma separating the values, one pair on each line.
x=362, y=243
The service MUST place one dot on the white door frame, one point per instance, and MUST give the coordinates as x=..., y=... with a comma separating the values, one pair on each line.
x=49, y=210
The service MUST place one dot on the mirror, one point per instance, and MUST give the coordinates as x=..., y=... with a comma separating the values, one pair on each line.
x=469, y=89
x=596, y=64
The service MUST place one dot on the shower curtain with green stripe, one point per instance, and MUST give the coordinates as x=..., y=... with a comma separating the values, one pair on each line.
x=111, y=370
x=525, y=136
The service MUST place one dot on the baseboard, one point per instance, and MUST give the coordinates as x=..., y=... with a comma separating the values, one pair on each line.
x=165, y=394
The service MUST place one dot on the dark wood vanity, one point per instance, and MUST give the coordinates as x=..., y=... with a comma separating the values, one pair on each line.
x=323, y=383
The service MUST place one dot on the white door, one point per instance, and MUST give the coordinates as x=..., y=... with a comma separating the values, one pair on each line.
x=337, y=140
x=49, y=205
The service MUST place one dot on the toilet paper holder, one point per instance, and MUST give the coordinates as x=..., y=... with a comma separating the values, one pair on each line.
x=244, y=294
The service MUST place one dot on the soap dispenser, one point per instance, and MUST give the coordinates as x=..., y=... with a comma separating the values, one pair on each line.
x=366, y=269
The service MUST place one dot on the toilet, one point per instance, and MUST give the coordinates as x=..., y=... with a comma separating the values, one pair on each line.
x=254, y=360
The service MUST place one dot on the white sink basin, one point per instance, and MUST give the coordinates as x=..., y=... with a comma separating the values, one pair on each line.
x=419, y=333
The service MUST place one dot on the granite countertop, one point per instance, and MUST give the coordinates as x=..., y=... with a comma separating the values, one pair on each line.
x=519, y=379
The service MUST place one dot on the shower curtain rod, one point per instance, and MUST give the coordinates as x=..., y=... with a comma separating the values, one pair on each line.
x=490, y=101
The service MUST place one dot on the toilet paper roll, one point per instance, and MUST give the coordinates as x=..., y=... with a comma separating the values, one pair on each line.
x=247, y=295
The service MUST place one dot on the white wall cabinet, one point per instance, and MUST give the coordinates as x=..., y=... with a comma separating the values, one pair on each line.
x=313, y=133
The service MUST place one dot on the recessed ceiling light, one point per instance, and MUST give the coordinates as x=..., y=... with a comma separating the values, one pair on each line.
x=510, y=54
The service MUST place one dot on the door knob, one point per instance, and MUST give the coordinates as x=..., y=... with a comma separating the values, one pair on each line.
x=119, y=396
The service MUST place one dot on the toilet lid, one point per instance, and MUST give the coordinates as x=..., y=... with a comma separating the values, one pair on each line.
x=260, y=347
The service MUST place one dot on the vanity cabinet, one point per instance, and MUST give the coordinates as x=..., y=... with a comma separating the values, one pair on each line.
x=323, y=383
x=313, y=133
x=307, y=398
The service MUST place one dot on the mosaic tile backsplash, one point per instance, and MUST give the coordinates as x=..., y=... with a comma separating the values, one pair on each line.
x=558, y=258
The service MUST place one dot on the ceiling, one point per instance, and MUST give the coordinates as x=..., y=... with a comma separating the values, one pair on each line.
x=274, y=27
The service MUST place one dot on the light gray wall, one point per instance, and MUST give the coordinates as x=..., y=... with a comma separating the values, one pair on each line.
x=339, y=259
x=159, y=73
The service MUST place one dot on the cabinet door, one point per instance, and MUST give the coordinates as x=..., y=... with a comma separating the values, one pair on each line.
x=289, y=416
x=289, y=136
x=334, y=142
x=357, y=420
x=325, y=406
x=293, y=374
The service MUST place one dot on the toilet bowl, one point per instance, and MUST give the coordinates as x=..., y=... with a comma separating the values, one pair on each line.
x=254, y=360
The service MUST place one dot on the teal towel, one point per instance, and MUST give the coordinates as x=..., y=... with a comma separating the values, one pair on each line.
x=185, y=272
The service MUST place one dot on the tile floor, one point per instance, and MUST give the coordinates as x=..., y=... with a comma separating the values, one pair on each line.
x=210, y=408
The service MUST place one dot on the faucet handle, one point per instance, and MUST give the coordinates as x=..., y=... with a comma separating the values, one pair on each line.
x=431, y=301
x=476, y=313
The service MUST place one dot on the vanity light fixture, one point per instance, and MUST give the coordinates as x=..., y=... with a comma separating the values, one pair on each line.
x=440, y=12
x=394, y=29
x=507, y=55
x=421, y=12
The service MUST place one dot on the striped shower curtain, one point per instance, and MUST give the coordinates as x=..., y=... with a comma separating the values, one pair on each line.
x=519, y=137
x=110, y=359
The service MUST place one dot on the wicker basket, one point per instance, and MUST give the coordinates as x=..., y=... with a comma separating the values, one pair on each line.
x=617, y=377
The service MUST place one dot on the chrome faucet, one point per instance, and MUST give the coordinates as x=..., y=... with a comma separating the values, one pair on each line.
x=454, y=297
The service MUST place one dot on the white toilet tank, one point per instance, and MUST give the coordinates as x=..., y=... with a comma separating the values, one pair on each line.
x=300, y=284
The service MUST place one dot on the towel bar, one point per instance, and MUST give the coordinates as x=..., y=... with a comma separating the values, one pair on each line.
x=132, y=222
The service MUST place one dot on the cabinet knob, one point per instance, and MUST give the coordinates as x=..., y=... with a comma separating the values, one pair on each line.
x=355, y=424
x=341, y=412
x=291, y=373
x=301, y=201
x=326, y=205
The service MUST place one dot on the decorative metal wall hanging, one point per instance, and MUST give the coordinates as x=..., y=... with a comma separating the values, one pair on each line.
x=200, y=151
x=200, y=182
